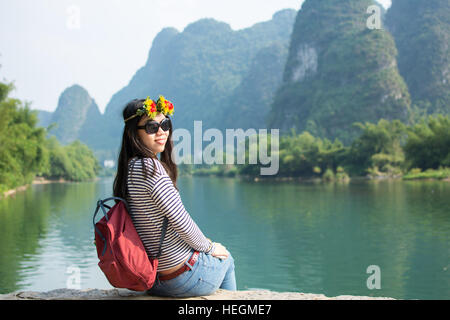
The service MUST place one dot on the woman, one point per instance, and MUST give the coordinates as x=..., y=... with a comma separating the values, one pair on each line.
x=189, y=264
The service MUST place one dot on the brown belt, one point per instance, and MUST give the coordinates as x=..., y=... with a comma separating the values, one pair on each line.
x=182, y=269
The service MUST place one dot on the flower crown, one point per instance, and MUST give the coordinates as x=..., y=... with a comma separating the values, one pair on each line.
x=151, y=108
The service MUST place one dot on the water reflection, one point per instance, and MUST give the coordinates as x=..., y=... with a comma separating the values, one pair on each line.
x=44, y=230
x=322, y=237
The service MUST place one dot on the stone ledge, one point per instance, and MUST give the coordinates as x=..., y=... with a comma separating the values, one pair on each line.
x=123, y=294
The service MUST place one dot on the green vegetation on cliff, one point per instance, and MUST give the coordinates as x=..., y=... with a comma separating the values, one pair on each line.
x=422, y=35
x=338, y=72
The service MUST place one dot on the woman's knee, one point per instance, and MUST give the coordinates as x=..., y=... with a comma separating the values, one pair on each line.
x=231, y=259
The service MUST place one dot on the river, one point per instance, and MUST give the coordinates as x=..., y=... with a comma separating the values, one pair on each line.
x=330, y=238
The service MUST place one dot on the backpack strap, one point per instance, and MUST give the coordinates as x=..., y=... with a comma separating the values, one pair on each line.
x=118, y=199
x=163, y=234
x=100, y=205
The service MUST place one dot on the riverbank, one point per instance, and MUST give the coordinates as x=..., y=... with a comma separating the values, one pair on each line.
x=123, y=294
x=37, y=180
x=442, y=174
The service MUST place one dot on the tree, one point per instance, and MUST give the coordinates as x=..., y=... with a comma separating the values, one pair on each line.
x=379, y=145
x=22, y=144
x=428, y=144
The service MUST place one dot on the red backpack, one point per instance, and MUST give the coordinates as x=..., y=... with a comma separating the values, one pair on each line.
x=122, y=255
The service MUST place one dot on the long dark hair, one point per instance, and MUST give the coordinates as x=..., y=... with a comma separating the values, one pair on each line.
x=132, y=146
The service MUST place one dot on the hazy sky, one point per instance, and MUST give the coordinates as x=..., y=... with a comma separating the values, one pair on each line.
x=49, y=45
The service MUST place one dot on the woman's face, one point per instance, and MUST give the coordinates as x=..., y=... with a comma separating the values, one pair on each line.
x=155, y=141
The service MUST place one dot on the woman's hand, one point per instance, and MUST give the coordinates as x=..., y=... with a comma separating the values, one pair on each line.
x=220, y=251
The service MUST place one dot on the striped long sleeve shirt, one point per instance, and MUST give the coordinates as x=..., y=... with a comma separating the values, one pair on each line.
x=152, y=197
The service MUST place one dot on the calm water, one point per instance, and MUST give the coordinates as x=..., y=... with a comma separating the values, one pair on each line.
x=284, y=236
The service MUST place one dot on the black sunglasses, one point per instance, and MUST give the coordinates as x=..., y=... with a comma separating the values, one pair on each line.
x=152, y=126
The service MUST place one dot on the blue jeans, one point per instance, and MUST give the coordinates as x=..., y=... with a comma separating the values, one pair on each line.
x=206, y=276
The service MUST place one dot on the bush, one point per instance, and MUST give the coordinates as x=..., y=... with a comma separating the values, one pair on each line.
x=328, y=175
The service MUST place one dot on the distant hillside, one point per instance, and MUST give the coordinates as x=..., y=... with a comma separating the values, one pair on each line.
x=338, y=71
x=422, y=34
x=319, y=69
x=203, y=69
x=77, y=117
x=44, y=118
x=249, y=104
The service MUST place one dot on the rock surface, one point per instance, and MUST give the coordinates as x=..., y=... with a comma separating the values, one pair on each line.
x=115, y=294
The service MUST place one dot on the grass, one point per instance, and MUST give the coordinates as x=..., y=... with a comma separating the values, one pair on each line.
x=441, y=173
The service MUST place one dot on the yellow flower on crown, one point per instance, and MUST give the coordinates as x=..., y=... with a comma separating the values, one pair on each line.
x=164, y=106
x=151, y=108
